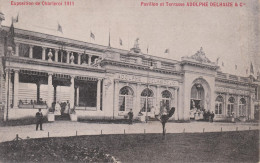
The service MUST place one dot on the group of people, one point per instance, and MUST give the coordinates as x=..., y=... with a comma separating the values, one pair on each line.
x=57, y=111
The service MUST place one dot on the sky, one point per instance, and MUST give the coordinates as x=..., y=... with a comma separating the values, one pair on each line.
x=230, y=33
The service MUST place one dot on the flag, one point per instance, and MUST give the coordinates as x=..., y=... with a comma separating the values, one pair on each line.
x=11, y=34
x=92, y=35
x=147, y=49
x=59, y=28
x=166, y=51
x=251, y=68
x=15, y=20
x=223, y=64
x=246, y=71
x=120, y=42
x=236, y=67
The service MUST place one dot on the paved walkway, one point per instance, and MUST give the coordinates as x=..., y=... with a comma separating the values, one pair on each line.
x=68, y=128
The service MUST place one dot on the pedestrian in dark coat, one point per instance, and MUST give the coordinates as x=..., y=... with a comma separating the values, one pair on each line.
x=130, y=116
x=39, y=119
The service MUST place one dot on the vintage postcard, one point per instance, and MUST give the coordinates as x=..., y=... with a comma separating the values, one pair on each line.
x=129, y=80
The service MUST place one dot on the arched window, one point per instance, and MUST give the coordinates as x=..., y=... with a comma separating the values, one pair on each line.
x=231, y=104
x=146, y=100
x=126, y=95
x=242, y=107
x=219, y=105
x=166, y=100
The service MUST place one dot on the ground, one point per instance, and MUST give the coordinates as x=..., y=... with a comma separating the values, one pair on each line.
x=235, y=146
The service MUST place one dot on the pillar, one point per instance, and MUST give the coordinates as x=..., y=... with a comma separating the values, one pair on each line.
x=17, y=49
x=226, y=105
x=77, y=104
x=7, y=94
x=89, y=59
x=43, y=53
x=116, y=96
x=79, y=58
x=31, y=52
x=98, y=94
x=138, y=98
x=16, y=88
x=55, y=93
x=72, y=91
x=56, y=55
x=180, y=110
x=251, y=106
x=158, y=97
x=38, y=91
x=68, y=57
x=50, y=87
x=176, y=104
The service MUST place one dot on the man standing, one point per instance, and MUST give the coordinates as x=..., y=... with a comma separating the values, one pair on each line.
x=39, y=118
x=130, y=115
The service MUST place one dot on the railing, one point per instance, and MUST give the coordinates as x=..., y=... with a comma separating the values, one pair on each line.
x=127, y=59
x=221, y=75
x=233, y=77
x=168, y=66
x=30, y=104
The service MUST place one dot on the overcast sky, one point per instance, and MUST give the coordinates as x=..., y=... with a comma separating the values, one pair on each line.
x=226, y=32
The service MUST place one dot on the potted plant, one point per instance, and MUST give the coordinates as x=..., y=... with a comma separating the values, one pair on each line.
x=51, y=116
x=73, y=115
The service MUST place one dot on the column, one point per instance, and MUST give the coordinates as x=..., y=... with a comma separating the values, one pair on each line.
x=31, y=52
x=55, y=93
x=251, y=106
x=89, y=59
x=138, y=98
x=79, y=58
x=116, y=96
x=226, y=105
x=237, y=106
x=17, y=49
x=56, y=55
x=98, y=94
x=180, y=110
x=43, y=53
x=158, y=97
x=38, y=91
x=16, y=88
x=72, y=91
x=77, y=104
x=50, y=87
x=68, y=57
x=176, y=104
x=7, y=94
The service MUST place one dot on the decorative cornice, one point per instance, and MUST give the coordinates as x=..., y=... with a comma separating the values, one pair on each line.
x=138, y=66
x=235, y=82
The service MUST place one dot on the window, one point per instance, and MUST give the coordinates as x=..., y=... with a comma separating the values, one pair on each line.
x=230, y=109
x=126, y=99
x=242, y=107
x=146, y=99
x=166, y=100
x=219, y=105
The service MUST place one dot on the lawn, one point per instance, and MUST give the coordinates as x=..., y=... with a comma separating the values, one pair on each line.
x=242, y=146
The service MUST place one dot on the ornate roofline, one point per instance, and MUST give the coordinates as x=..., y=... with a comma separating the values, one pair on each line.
x=138, y=66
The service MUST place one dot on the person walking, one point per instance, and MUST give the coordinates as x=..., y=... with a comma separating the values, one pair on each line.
x=39, y=119
x=130, y=116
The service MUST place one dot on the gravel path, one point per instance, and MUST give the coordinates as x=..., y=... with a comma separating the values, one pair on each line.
x=68, y=128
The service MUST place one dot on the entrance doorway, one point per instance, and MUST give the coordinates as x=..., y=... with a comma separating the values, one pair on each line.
x=197, y=101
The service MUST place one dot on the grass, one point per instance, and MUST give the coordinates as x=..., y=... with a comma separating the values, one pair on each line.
x=242, y=146
x=22, y=122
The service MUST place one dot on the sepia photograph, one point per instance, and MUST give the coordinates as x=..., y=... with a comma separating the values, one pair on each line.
x=129, y=81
